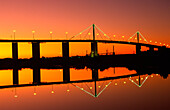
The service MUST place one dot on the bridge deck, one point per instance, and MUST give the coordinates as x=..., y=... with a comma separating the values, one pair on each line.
x=100, y=41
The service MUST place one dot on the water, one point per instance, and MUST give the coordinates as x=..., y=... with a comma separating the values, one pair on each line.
x=131, y=92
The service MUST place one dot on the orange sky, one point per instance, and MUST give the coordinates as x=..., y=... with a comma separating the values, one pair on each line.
x=114, y=17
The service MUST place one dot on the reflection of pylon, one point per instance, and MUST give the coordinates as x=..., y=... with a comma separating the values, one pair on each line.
x=139, y=81
x=93, y=91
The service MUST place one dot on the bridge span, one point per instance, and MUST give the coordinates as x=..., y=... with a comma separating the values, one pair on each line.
x=65, y=46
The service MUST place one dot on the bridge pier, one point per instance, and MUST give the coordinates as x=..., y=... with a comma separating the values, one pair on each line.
x=15, y=76
x=66, y=74
x=36, y=50
x=15, y=50
x=36, y=75
x=65, y=50
x=151, y=49
x=138, y=49
x=94, y=49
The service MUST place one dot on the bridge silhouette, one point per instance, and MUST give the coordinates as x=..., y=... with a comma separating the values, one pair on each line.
x=94, y=44
x=94, y=61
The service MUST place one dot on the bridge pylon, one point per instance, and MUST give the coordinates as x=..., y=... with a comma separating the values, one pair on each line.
x=94, y=47
x=138, y=46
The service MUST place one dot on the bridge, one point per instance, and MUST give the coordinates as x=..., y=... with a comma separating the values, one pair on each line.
x=93, y=41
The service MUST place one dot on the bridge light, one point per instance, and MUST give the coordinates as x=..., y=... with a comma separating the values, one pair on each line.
x=89, y=33
x=136, y=79
x=104, y=34
x=115, y=84
x=167, y=45
x=124, y=82
x=99, y=86
x=160, y=43
x=135, y=38
x=35, y=93
x=150, y=41
x=90, y=87
x=80, y=33
x=152, y=76
x=97, y=34
x=140, y=39
x=52, y=92
x=141, y=78
x=51, y=34
x=123, y=36
x=66, y=32
x=155, y=42
x=33, y=32
x=106, y=85
x=14, y=30
x=114, y=35
x=163, y=44
x=14, y=33
x=68, y=90
x=82, y=89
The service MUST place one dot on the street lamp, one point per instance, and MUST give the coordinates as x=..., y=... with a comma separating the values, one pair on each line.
x=51, y=34
x=66, y=34
x=80, y=35
x=14, y=31
x=33, y=34
x=123, y=37
x=114, y=36
x=89, y=35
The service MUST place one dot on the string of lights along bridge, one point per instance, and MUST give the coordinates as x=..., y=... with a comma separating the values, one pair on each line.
x=88, y=34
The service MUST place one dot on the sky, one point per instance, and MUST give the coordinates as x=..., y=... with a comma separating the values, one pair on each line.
x=114, y=17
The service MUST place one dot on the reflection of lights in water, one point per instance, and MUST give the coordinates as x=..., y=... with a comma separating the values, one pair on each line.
x=156, y=74
x=99, y=86
x=35, y=93
x=136, y=79
x=151, y=75
x=52, y=90
x=124, y=82
x=15, y=93
x=68, y=90
x=141, y=78
x=116, y=84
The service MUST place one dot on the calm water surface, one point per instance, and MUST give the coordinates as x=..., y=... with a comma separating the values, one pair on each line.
x=134, y=92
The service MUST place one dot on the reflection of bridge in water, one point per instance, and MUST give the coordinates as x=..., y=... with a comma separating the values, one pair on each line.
x=66, y=80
